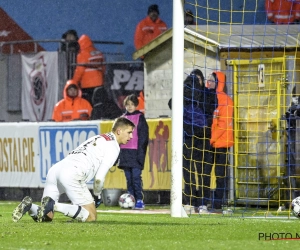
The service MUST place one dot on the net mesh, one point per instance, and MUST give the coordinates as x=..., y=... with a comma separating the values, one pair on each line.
x=255, y=45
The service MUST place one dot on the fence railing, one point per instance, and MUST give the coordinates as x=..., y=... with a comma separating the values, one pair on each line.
x=37, y=44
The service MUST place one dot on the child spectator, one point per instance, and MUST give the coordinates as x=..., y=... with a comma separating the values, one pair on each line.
x=132, y=155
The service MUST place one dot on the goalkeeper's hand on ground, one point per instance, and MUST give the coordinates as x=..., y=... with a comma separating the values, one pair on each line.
x=98, y=200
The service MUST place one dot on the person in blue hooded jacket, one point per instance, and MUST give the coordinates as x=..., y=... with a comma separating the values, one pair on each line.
x=199, y=104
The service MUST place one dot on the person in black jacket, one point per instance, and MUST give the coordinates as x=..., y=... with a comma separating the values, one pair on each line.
x=291, y=116
x=132, y=155
x=199, y=104
x=70, y=45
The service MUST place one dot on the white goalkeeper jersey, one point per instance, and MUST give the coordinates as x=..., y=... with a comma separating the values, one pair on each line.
x=96, y=156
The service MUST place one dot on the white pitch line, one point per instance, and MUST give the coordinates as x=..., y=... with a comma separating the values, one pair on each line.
x=132, y=211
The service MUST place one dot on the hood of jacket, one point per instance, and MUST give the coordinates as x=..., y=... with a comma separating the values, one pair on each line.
x=85, y=42
x=220, y=81
x=71, y=82
x=192, y=91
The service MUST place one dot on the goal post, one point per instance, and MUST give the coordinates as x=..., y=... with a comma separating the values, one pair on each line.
x=237, y=43
x=177, y=107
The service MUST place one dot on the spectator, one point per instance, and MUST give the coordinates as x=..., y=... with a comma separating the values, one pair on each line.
x=90, y=70
x=91, y=160
x=221, y=140
x=73, y=106
x=133, y=154
x=292, y=115
x=189, y=18
x=70, y=41
x=141, y=105
x=103, y=106
x=149, y=28
x=71, y=47
x=197, y=118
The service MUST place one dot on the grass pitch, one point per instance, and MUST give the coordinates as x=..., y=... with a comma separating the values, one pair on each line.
x=114, y=230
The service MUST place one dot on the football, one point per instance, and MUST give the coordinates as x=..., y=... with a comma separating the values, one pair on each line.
x=296, y=207
x=126, y=201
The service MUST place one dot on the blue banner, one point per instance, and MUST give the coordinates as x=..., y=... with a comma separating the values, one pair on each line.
x=56, y=142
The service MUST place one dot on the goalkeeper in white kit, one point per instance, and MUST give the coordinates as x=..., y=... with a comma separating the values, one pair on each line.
x=92, y=159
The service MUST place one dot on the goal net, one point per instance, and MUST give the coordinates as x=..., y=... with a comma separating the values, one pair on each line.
x=241, y=149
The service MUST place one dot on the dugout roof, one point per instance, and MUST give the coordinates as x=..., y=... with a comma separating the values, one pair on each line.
x=218, y=37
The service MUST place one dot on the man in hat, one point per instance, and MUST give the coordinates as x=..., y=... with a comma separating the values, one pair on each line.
x=189, y=18
x=149, y=28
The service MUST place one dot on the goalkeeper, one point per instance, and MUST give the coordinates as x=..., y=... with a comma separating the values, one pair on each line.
x=92, y=159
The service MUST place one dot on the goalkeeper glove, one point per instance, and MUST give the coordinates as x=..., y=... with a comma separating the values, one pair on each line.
x=98, y=200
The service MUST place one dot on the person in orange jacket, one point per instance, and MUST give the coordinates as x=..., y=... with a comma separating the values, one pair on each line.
x=141, y=105
x=149, y=28
x=89, y=72
x=73, y=106
x=221, y=140
x=281, y=11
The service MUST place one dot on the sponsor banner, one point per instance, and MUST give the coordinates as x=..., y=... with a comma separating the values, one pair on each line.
x=123, y=79
x=28, y=150
x=39, y=85
x=157, y=170
x=55, y=142
x=19, y=166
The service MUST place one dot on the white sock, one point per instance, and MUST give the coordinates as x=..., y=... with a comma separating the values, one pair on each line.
x=33, y=210
x=74, y=211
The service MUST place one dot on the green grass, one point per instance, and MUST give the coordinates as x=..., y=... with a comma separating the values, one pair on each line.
x=137, y=231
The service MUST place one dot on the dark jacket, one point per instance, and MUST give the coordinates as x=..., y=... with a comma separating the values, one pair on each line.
x=292, y=114
x=135, y=156
x=199, y=104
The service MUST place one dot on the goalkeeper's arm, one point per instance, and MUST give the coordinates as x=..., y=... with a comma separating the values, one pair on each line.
x=99, y=178
x=98, y=186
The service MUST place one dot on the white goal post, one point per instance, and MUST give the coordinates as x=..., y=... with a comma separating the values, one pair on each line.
x=177, y=108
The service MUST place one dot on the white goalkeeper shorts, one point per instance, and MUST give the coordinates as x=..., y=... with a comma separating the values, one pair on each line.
x=65, y=177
